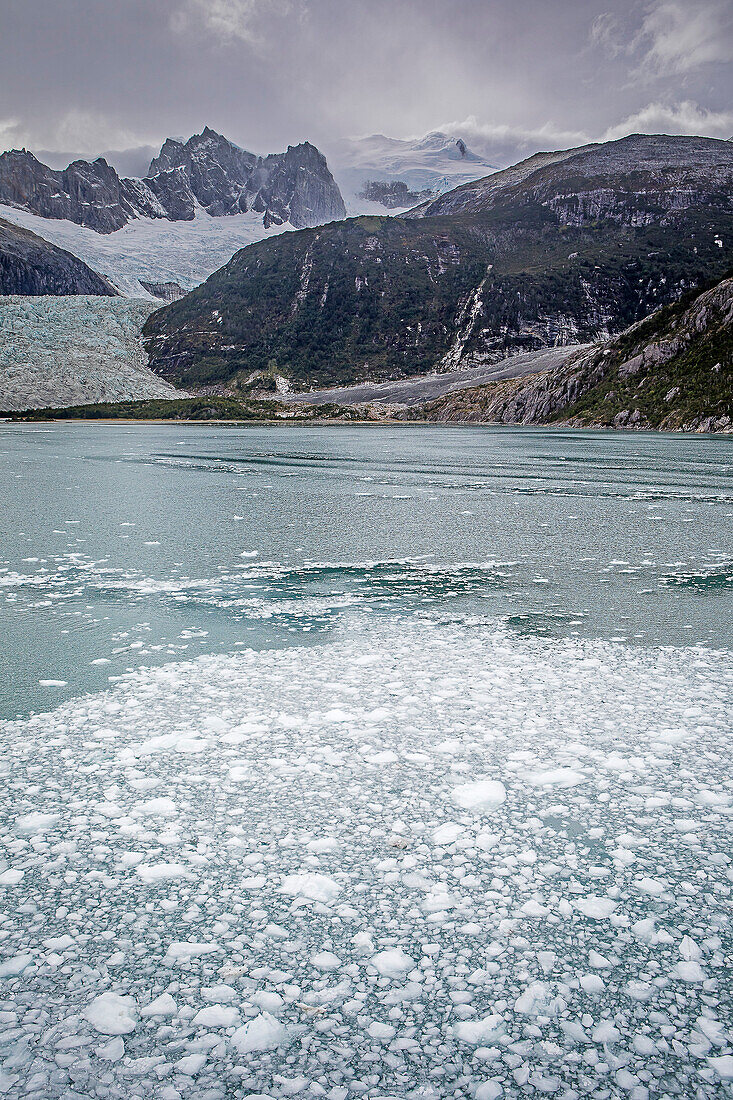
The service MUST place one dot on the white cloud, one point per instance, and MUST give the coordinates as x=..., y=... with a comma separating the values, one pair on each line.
x=87, y=133
x=232, y=20
x=606, y=32
x=678, y=36
x=504, y=144
x=679, y=118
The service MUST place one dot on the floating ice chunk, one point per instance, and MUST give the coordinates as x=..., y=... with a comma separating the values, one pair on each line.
x=190, y=1065
x=156, y=807
x=652, y=886
x=111, y=1051
x=448, y=833
x=219, y=994
x=477, y=1032
x=12, y=877
x=484, y=795
x=538, y=1000
x=324, y=844
x=112, y=1014
x=9, y=968
x=595, y=907
x=161, y=872
x=53, y=683
x=555, y=777
x=184, y=950
x=723, y=1066
x=216, y=1016
x=489, y=1090
x=690, y=971
x=263, y=1032
x=326, y=960
x=689, y=949
x=378, y=1030
x=592, y=983
x=31, y=824
x=164, y=1005
x=392, y=963
x=312, y=886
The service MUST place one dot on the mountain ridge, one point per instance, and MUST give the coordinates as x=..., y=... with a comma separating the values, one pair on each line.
x=376, y=298
x=208, y=171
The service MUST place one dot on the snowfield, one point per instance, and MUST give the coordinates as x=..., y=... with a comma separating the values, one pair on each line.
x=152, y=249
x=423, y=860
x=72, y=350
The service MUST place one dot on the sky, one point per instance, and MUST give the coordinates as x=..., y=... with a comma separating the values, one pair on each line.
x=82, y=77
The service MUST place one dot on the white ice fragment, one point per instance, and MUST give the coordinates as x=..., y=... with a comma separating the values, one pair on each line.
x=164, y=1005
x=595, y=907
x=12, y=876
x=489, y=1090
x=326, y=960
x=484, y=795
x=190, y=1065
x=312, y=886
x=216, y=1016
x=263, y=1032
x=723, y=1066
x=112, y=1014
x=10, y=968
x=161, y=872
x=592, y=983
x=31, y=824
x=184, y=950
x=690, y=971
x=112, y=1050
x=392, y=963
x=555, y=777
x=383, y=1032
x=477, y=1032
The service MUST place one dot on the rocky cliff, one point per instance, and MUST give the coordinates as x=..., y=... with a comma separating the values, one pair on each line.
x=30, y=265
x=381, y=298
x=672, y=371
x=295, y=186
x=638, y=180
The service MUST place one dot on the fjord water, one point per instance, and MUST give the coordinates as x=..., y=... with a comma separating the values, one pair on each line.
x=405, y=772
x=139, y=544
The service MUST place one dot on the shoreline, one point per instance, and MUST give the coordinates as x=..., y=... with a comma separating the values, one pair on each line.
x=387, y=423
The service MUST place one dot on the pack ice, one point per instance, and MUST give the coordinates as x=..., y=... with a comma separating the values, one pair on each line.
x=418, y=860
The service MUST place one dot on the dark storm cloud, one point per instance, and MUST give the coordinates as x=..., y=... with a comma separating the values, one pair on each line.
x=511, y=75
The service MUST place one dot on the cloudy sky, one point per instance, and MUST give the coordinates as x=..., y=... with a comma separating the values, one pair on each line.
x=512, y=76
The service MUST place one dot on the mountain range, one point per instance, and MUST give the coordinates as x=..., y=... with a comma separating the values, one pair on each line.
x=207, y=171
x=563, y=248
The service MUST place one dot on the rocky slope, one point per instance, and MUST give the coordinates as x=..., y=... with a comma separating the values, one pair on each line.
x=378, y=298
x=673, y=371
x=638, y=180
x=30, y=265
x=207, y=171
x=57, y=351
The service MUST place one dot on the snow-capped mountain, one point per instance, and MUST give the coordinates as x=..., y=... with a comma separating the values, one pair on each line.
x=436, y=162
x=208, y=171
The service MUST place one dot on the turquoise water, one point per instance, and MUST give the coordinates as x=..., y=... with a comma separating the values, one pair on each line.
x=138, y=544
x=370, y=763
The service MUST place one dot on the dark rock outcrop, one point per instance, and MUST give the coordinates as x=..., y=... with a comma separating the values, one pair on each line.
x=673, y=371
x=167, y=292
x=30, y=265
x=295, y=186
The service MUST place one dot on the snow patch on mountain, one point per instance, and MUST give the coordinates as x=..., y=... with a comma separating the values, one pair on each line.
x=436, y=162
x=155, y=250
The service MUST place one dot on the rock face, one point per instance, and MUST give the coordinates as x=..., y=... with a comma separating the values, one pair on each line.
x=295, y=186
x=30, y=265
x=377, y=298
x=60, y=351
x=638, y=180
x=394, y=195
x=167, y=292
x=672, y=371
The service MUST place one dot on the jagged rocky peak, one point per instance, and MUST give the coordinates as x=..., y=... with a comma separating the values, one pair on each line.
x=208, y=171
